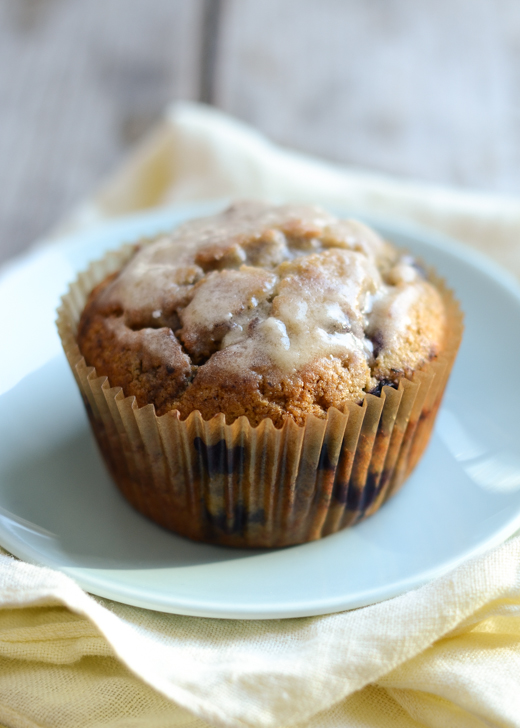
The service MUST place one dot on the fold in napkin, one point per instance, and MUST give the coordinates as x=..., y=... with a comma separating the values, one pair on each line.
x=447, y=654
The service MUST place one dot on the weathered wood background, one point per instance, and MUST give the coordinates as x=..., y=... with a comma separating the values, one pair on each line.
x=427, y=89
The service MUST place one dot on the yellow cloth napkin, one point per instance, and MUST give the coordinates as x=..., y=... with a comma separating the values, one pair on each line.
x=445, y=655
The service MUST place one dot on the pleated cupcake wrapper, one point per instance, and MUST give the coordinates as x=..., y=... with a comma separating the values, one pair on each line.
x=259, y=487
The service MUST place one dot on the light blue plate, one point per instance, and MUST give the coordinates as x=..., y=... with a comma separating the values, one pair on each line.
x=58, y=506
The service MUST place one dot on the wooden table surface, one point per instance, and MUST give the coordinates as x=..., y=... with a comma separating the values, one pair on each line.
x=425, y=89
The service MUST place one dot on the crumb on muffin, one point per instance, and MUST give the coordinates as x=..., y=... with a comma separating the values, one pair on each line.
x=262, y=311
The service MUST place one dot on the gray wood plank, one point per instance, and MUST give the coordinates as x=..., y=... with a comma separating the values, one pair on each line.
x=425, y=89
x=80, y=81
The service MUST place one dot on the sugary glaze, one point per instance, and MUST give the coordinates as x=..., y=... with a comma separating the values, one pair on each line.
x=262, y=311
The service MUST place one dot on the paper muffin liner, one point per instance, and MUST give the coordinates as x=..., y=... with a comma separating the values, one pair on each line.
x=239, y=485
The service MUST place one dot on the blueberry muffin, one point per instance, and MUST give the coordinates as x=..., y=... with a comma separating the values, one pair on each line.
x=265, y=312
x=296, y=360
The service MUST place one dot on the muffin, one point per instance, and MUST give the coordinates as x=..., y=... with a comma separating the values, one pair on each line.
x=262, y=377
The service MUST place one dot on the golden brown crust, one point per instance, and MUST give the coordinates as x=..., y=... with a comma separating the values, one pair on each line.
x=148, y=363
x=220, y=328
x=217, y=387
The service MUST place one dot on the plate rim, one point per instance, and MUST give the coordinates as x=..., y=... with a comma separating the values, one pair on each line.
x=401, y=226
x=83, y=575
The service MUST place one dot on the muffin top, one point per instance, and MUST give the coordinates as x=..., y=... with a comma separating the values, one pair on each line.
x=262, y=311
